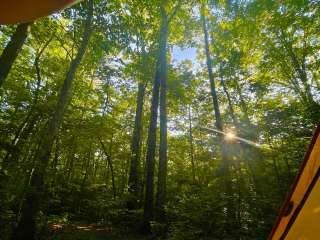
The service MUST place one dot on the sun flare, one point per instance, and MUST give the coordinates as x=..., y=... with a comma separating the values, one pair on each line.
x=230, y=135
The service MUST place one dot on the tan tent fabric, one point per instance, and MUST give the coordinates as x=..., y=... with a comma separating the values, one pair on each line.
x=300, y=216
x=18, y=11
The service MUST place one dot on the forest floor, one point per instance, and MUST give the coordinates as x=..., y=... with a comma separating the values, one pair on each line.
x=89, y=231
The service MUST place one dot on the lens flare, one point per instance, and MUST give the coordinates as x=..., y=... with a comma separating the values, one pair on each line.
x=229, y=135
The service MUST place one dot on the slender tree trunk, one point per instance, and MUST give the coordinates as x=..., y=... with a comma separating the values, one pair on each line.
x=96, y=166
x=86, y=171
x=87, y=161
x=191, y=145
x=12, y=50
x=28, y=125
x=218, y=120
x=162, y=171
x=298, y=66
x=210, y=73
x=151, y=150
x=12, y=156
x=68, y=168
x=55, y=162
x=109, y=160
x=243, y=104
x=225, y=174
x=109, y=157
x=160, y=78
x=27, y=225
x=231, y=109
x=134, y=174
x=240, y=183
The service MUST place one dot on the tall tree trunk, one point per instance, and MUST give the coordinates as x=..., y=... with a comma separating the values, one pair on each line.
x=27, y=225
x=68, y=167
x=134, y=174
x=109, y=160
x=151, y=150
x=225, y=174
x=231, y=109
x=240, y=182
x=86, y=171
x=218, y=120
x=191, y=145
x=12, y=50
x=217, y=114
x=160, y=79
x=55, y=162
x=162, y=171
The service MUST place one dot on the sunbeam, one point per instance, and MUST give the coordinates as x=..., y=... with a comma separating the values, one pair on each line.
x=230, y=135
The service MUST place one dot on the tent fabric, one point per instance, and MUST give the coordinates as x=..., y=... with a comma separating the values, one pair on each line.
x=300, y=215
x=19, y=11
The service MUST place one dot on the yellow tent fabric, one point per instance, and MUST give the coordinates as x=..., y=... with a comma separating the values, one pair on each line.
x=18, y=11
x=300, y=215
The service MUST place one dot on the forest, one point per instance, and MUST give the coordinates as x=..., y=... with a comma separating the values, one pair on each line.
x=156, y=119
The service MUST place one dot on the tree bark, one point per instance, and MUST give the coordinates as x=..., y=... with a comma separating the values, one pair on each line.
x=151, y=150
x=27, y=225
x=12, y=50
x=191, y=145
x=134, y=181
x=134, y=174
x=232, y=114
x=217, y=114
x=109, y=160
x=224, y=169
x=162, y=171
x=160, y=79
